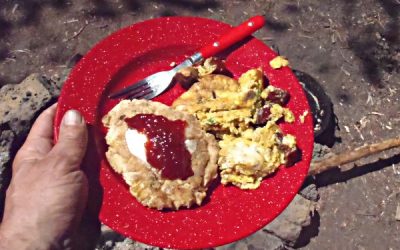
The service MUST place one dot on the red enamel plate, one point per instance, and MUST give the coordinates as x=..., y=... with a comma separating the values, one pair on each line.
x=135, y=52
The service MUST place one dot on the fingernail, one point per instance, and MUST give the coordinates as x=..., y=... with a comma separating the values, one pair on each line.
x=72, y=117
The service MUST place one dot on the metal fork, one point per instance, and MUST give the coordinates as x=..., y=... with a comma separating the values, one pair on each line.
x=157, y=83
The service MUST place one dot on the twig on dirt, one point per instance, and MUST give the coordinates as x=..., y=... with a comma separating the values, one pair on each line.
x=359, y=132
x=76, y=34
x=335, y=160
x=375, y=113
x=345, y=71
x=380, y=21
x=371, y=215
x=363, y=122
x=71, y=21
x=392, y=91
x=8, y=59
x=14, y=8
x=387, y=77
x=302, y=35
x=302, y=28
x=333, y=38
x=344, y=58
x=27, y=51
x=369, y=99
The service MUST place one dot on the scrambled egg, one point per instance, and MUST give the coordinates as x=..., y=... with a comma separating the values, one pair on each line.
x=250, y=147
x=303, y=116
x=208, y=67
x=244, y=161
x=278, y=62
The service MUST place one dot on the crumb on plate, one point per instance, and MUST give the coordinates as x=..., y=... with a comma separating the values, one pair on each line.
x=279, y=62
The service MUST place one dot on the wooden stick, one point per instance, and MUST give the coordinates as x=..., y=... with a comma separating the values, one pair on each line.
x=335, y=160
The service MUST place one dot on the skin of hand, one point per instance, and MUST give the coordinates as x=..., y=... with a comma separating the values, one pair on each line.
x=48, y=190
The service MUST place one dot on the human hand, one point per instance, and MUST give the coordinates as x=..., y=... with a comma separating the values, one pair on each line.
x=48, y=190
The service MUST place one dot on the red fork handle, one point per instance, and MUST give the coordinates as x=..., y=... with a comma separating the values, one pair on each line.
x=233, y=36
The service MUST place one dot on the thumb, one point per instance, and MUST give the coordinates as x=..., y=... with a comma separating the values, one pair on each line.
x=71, y=146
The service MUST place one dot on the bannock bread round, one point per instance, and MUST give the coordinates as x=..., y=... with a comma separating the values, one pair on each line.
x=146, y=182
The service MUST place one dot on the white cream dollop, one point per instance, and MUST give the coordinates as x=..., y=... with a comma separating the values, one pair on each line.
x=191, y=145
x=136, y=142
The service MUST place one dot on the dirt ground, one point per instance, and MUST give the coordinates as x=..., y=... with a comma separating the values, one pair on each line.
x=351, y=47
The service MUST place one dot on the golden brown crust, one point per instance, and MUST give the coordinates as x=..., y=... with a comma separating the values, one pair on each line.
x=146, y=183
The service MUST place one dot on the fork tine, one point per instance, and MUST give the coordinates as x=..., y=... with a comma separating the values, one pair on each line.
x=129, y=89
x=149, y=96
x=139, y=95
x=136, y=92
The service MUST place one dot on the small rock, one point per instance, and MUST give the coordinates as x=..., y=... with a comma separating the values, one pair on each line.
x=111, y=240
x=127, y=244
x=320, y=151
x=19, y=105
x=57, y=80
x=310, y=192
x=290, y=222
x=50, y=85
x=109, y=244
x=258, y=241
x=108, y=238
x=238, y=245
x=6, y=139
x=108, y=234
x=21, y=102
x=397, y=217
x=142, y=246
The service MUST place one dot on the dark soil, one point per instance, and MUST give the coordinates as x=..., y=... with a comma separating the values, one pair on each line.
x=351, y=47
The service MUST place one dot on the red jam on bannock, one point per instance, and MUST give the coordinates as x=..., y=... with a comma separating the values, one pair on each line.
x=165, y=148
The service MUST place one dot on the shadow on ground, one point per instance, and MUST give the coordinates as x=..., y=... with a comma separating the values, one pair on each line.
x=377, y=55
x=104, y=8
x=28, y=12
x=309, y=232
